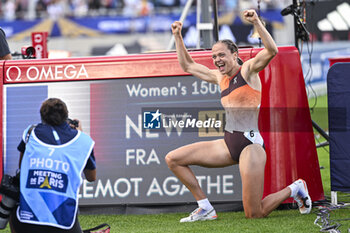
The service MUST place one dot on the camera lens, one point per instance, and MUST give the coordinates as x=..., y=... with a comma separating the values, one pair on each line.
x=9, y=188
x=6, y=206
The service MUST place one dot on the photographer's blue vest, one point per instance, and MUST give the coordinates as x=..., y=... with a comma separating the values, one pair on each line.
x=50, y=180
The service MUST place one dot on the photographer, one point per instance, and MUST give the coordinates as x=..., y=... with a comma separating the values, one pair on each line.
x=5, y=53
x=53, y=156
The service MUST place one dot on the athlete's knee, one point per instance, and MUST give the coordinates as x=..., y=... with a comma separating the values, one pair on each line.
x=170, y=159
x=254, y=214
x=254, y=154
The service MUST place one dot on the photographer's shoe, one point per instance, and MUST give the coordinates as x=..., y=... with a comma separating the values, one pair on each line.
x=200, y=214
x=302, y=197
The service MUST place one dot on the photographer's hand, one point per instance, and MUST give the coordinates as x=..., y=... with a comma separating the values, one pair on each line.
x=80, y=127
x=75, y=124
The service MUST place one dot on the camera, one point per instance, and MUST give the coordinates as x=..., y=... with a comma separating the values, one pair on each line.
x=75, y=123
x=9, y=188
x=28, y=52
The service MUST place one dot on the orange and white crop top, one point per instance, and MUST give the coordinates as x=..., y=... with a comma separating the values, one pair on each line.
x=241, y=103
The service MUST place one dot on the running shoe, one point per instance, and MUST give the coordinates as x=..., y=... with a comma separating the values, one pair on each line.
x=302, y=197
x=200, y=214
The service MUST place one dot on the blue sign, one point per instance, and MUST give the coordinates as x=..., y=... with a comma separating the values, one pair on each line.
x=151, y=120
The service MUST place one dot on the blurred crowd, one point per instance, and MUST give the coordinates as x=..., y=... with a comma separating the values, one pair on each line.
x=32, y=9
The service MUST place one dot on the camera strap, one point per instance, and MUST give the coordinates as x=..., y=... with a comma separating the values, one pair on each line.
x=29, y=132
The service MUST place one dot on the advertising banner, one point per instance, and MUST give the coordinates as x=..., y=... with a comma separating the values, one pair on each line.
x=328, y=20
x=130, y=159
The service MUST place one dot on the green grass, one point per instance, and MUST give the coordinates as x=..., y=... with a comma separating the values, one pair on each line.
x=278, y=221
x=319, y=115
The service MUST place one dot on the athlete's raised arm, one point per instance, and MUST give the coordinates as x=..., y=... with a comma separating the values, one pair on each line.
x=186, y=61
x=262, y=59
